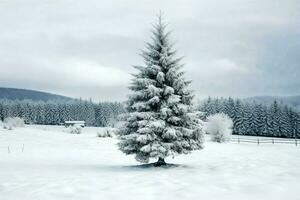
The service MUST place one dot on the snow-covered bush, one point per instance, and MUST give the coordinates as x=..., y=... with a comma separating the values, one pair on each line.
x=11, y=122
x=219, y=126
x=76, y=129
x=107, y=132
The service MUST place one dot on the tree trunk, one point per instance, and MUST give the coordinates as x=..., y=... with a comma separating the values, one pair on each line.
x=160, y=162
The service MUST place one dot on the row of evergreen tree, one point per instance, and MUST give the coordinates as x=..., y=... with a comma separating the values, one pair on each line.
x=56, y=112
x=251, y=118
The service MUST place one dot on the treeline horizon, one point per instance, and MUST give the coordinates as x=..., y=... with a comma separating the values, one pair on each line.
x=256, y=119
x=249, y=117
x=55, y=112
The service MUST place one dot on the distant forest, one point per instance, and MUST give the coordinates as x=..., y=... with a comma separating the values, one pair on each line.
x=56, y=112
x=256, y=119
x=249, y=118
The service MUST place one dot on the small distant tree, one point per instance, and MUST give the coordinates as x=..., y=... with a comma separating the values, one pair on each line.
x=161, y=119
x=219, y=127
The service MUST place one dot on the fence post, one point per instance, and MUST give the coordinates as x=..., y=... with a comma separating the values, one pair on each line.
x=238, y=140
x=22, y=148
x=272, y=141
x=8, y=149
x=296, y=142
x=257, y=141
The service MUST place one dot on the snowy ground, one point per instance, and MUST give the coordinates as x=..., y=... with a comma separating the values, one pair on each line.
x=58, y=165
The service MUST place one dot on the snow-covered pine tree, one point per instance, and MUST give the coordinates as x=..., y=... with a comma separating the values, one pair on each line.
x=207, y=107
x=238, y=123
x=248, y=108
x=89, y=113
x=40, y=113
x=265, y=121
x=217, y=105
x=1, y=111
x=99, y=114
x=254, y=119
x=285, y=127
x=160, y=120
x=296, y=124
x=274, y=119
x=228, y=107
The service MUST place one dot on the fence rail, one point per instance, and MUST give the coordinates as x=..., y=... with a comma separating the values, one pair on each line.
x=264, y=140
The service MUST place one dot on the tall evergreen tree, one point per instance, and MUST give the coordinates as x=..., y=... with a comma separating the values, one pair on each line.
x=266, y=122
x=260, y=117
x=228, y=107
x=295, y=124
x=285, y=122
x=238, y=123
x=1, y=112
x=275, y=119
x=207, y=107
x=248, y=119
x=161, y=120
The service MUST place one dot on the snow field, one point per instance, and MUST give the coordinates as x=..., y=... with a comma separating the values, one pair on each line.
x=59, y=165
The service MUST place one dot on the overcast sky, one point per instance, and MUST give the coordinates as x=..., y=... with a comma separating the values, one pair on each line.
x=87, y=48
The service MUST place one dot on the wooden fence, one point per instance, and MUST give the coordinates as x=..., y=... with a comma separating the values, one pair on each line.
x=245, y=139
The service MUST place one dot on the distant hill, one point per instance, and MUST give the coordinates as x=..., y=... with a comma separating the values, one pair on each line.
x=290, y=100
x=21, y=94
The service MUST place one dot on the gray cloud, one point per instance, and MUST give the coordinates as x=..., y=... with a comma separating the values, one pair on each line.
x=76, y=48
